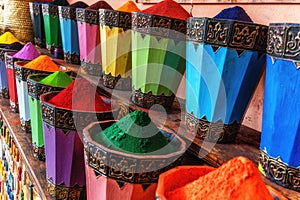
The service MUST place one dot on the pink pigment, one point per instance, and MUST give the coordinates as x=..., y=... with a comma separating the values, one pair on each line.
x=28, y=52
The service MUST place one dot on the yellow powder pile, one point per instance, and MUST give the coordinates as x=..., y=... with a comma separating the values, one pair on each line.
x=129, y=6
x=43, y=63
x=8, y=38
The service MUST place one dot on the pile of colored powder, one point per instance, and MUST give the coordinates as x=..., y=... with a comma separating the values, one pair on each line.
x=57, y=79
x=60, y=2
x=237, y=179
x=168, y=8
x=129, y=6
x=80, y=95
x=14, y=46
x=43, y=63
x=79, y=4
x=28, y=52
x=234, y=13
x=8, y=38
x=100, y=5
x=134, y=133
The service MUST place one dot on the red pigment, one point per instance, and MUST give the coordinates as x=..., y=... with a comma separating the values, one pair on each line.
x=82, y=96
x=168, y=8
x=100, y=5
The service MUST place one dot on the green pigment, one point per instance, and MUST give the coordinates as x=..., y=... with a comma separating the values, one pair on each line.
x=134, y=133
x=57, y=79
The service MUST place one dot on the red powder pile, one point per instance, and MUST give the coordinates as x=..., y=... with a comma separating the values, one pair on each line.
x=82, y=96
x=100, y=5
x=168, y=8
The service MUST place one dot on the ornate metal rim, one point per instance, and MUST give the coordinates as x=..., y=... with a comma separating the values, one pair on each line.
x=67, y=12
x=114, y=18
x=14, y=107
x=35, y=8
x=22, y=73
x=92, y=69
x=116, y=82
x=214, y=132
x=25, y=125
x=3, y=51
x=4, y=93
x=70, y=119
x=283, y=41
x=159, y=25
x=73, y=58
x=10, y=60
x=280, y=172
x=62, y=192
x=87, y=16
x=36, y=89
x=50, y=9
x=227, y=33
x=39, y=152
x=146, y=100
x=122, y=166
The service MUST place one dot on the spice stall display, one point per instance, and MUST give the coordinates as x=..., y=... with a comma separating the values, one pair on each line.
x=223, y=69
x=89, y=37
x=64, y=115
x=115, y=32
x=28, y=52
x=69, y=31
x=279, y=147
x=51, y=24
x=158, y=53
x=39, y=84
x=42, y=64
x=133, y=152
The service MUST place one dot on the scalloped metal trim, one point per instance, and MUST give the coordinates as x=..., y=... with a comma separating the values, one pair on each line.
x=112, y=165
x=72, y=58
x=280, y=172
x=22, y=73
x=14, y=107
x=35, y=8
x=114, y=18
x=25, y=125
x=50, y=9
x=159, y=26
x=228, y=33
x=62, y=192
x=3, y=51
x=39, y=152
x=146, y=100
x=4, y=93
x=87, y=16
x=92, y=69
x=116, y=82
x=215, y=132
x=68, y=13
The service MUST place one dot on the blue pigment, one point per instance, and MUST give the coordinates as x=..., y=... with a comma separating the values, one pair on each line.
x=234, y=13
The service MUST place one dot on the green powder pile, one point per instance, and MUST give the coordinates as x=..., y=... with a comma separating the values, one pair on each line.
x=135, y=133
x=57, y=79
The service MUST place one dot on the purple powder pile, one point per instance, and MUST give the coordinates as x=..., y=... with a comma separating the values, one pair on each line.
x=79, y=4
x=28, y=52
x=100, y=5
x=234, y=13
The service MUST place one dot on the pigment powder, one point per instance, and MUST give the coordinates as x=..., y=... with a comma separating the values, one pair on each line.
x=79, y=4
x=134, y=133
x=8, y=38
x=168, y=8
x=80, y=95
x=129, y=6
x=14, y=46
x=57, y=79
x=43, y=63
x=234, y=13
x=60, y=2
x=100, y=5
x=237, y=179
x=28, y=52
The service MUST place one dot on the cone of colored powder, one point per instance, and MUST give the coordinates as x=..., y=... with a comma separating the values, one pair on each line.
x=78, y=105
x=158, y=54
x=42, y=63
x=116, y=46
x=39, y=84
x=136, y=140
x=27, y=52
x=88, y=27
x=8, y=38
x=234, y=62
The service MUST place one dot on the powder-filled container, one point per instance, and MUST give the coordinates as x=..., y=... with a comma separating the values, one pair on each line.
x=115, y=174
x=115, y=33
x=224, y=60
x=35, y=89
x=279, y=147
x=63, y=146
x=37, y=24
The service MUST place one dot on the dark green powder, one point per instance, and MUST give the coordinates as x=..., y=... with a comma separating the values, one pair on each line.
x=57, y=79
x=134, y=133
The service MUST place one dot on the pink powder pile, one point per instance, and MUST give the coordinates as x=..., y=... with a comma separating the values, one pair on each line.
x=28, y=52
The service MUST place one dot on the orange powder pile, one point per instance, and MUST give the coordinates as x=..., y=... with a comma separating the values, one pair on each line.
x=8, y=38
x=235, y=180
x=43, y=63
x=129, y=6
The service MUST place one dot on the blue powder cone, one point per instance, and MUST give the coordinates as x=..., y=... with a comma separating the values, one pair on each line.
x=234, y=13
